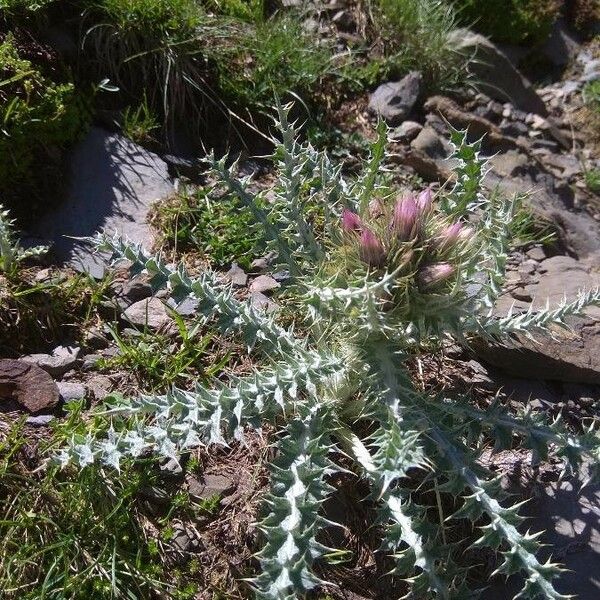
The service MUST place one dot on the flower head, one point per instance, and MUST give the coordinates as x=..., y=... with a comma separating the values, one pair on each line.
x=425, y=200
x=405, y=218
x=448, y=236
x=431, y=276
x=371, y=249
x=351, y=222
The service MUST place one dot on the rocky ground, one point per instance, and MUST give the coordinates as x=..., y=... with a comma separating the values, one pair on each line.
x=538, y=144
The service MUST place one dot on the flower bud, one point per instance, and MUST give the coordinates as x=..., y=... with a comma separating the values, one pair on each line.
x=431, y=276
x=350, y=221
x=449, y=236
x=371, y=249
x=405, y=217
x=466, y=234
x=375, y=208
x=425, y=200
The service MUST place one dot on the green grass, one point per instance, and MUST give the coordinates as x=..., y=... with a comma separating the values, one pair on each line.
x=179, y=18
x=152, y=49
x=416, y=34
x=591, y=94
x=140, y=124
x=530, y=227
x=592, y=180
x=71, y=536
x=274, y=58
x=159, y=361
x=190, y=64
x=252, y=11
x=218, y=228
x=512, y=21
x=35, y=316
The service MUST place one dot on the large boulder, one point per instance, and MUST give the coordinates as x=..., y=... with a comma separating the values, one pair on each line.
x=495, y=73
x=113, y=184
x=394, y=101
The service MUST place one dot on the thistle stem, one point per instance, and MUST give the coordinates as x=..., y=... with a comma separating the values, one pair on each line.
x=438, y=498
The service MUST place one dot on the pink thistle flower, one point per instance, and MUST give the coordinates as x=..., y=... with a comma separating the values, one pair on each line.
x=425, y=200
x=404, y=218
x=431, y=276
x=466, y=234
x=448, y=237
x=351, y=222
x=371, y=249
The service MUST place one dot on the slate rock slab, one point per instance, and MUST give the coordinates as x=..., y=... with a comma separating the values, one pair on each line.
x=71, y=390
x=113, y=184
x=264, y=283
x=572, y=356
x=237, y=276
x=577, y=232
x=31, y=386
x=431, y=144
x=496, y=75
x=394, y=101
x=210, y=485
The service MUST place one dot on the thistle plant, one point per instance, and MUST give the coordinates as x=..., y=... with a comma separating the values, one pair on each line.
x=376, y=277
x=11, y=252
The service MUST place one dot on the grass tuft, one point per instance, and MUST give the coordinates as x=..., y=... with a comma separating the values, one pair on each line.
x=416, y=34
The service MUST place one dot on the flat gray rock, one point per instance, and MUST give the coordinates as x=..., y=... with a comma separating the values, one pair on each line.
x=150, y=313
x=566, y=355
x=431, y=144
x=263, y=283
x=495, y=73
x=62, y=359
x=113, y=184
x=237, y=276
x=71, y=390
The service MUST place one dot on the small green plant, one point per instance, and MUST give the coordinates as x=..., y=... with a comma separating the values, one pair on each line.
x=512, y=21
x=592, y=180
x=378, y=278
x=591, y=94
x=218, y=226
x=139, y=124
x=210, y=505
x=11, y=253
x=529, y=227
x=159, y=361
